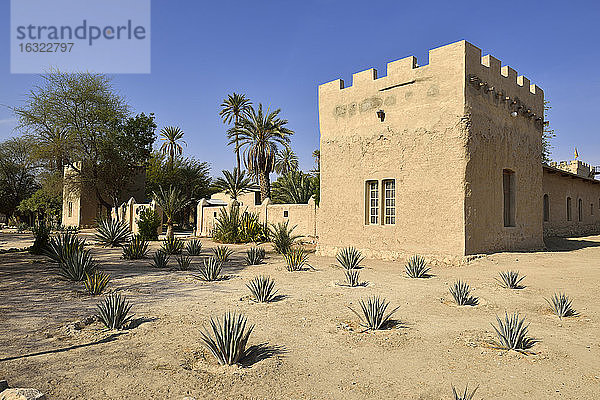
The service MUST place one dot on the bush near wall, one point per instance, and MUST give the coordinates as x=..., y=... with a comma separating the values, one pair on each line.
x=148, y=224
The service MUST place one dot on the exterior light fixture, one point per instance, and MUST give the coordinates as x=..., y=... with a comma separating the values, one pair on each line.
x=381, y=115
x=514, y=114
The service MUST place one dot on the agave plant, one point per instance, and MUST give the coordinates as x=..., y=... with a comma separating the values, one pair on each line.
x=96, y=282
x=222, y=253
x=560, y=304
x=136, y=249
x=416, y=267
x=462, y=294
x=160, y=259
x=111, y=232
x=373, y=312
x=255, y=255
x=349, y=258
x=510, y=280
x=61, y=246
x=210, y=269
x=262, y=288
x=465, y=395
x=183, y=262
x=352, y=277
x=227, y=338
x=172, y=245
x=512, y=333
x=114, y=311
x=282, y=237
x=193, y=247
x=77, y=265
x=295, y=259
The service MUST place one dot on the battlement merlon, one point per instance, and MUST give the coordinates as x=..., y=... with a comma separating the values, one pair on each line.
x=463, y=54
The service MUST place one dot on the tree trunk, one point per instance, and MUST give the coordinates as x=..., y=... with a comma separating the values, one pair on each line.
x=237, y=149
x=265, y=185
x=170, y=229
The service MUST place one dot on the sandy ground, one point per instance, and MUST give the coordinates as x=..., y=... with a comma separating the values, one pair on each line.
x=318, y=352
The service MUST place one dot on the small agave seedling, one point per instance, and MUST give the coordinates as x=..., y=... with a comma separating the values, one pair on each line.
x=416, y=267
x=510, y=280
x=222, y=253
x=183, y=262
x=349, y=258
x=227, y=338
x=114, y=311
x=210, y=270
x=465, y=395
x=160, y=259
x=560, y=304
x=295, y=259
x=96, y=282
x=512, y=333
x=262, y=289
x=374, y=314
x=255, y=255
x=194, y=247
x=352, y=277
x=462, y=294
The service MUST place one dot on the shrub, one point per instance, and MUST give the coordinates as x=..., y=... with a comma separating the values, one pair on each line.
x=210, y=269
x=416, y=267
x=96, y=282
x=41, y=232
x=560, y=304
x=136, y=249
x=235, y=226
x=465, y=395
x=77, y=265
x=114, y=311
x=510, y=280
x=374, y=314
x=255, y=255
x=295, y=259
x=512, y=333
x=227, y=338
x=222, y=253
x=349, y=258
x=160, y=259
x=251, y=230
x=148, y=224
x=193, y=247
x=352, y=277
x=183, y=262
x=111, y=232
x=282, y=237
x=462, y=294
x=261, y=288
x=172, y=245
x=62, y=245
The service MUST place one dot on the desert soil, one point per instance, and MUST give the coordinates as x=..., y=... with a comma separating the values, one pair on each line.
x=318, y=349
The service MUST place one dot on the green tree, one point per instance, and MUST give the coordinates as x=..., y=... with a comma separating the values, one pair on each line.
x=172, y=137
x=234, y=107
x=295, y=187
x=547, y=135
x=17, y=174
x=286, y=161
x=172, y=202
x=260, y=134
x=43, y=205
x=234, y=183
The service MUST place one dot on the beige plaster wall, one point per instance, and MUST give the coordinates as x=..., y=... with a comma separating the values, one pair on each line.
x=421, y=144
x=558, y=186
x=500, y=141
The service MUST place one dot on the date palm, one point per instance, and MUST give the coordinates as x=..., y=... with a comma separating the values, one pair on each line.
x=172, y=201
x=233, y=108
x=260, y=134
x=286, y=161
x=172, y=137
x=234, y=183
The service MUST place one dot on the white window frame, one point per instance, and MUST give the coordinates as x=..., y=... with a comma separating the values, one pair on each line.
x=389, y=201
x=372, y=202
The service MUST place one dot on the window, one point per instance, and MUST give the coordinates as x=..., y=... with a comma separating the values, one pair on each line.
x=285, y=214
x=70, y=211
x=389, y=198
x=591, y=208
x=580, y=210
x=372, y=202
x=569, y=216
x=546, y=208
x=508, y=186
x=257, y=198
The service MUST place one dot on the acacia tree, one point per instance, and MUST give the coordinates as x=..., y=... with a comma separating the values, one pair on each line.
x=17, y=174
x=233, y=108
x=77, y=120
x=260, y=134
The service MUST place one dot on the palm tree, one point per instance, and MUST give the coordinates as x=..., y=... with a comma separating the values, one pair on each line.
x=295, y=187
x=235, y=183
x=234, y=107
x=260, y=133
x=317, y=156
x=286, y=161
x=171, y=201
x=172, y=135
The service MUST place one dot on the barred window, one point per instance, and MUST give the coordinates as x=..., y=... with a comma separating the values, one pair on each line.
x=70, y=211
x=372, y=202
x=389, y=197
x=569, y=216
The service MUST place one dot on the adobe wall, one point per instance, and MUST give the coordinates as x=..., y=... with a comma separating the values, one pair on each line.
x=499, y=141
x=560, y=185
x=421, y=144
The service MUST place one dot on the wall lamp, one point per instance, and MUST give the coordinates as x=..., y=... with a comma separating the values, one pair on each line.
x=381, y=115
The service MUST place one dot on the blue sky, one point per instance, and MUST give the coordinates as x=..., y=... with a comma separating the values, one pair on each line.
x=279, y=52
